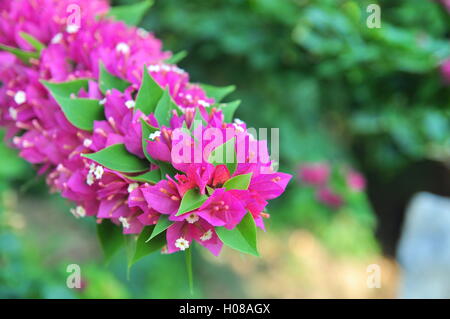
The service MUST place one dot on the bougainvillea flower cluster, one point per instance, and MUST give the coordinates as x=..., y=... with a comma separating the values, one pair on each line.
x=100, y=108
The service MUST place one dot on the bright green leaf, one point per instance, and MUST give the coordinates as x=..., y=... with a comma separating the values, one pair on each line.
x=131, y=14
x=242, y=237
x=164, y=109
x=162, y=224
x=24, y=56
x=144, y=247
x=35, y=43
x=110, y=237
x=177, y=57
x=107, y=81
x=229, y=109
x=151, y=177
x=225, y=154
x=218, y=93
x=65, y=89
x=116, y=157
x=147, y=129
x=240, y=182
x=192, y=199
x=149, y=94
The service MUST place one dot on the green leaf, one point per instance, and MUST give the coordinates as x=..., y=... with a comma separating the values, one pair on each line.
x=177, y=57
x=192, y=199
x=24, y=56
x=110, y=237
x=218, y=93
x=116, y=157
x=229, y=109
x=151, y=177
x=225, y=154
x=107, y=81
x=188, y=255
x=65, y=89
x=144, y=247
x=149, y=94
x=164, y=109
x=242, y=237
x=35, y=43
x=131, y=14
x=81, y=112
x=147, y=129
x=198, y=119
x=240, y=182
x=162, y=225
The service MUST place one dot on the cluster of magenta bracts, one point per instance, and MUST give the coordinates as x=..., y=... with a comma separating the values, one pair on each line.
x=39, y=129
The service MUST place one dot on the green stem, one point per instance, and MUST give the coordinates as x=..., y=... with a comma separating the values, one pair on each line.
x=188, y=255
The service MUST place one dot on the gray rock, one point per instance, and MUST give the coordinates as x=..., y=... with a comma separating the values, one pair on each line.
x=424, y=248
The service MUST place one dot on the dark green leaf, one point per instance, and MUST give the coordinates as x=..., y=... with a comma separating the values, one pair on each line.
x=107, y=81
x=162, y=225
x=192, y=199
x=131, y=14
x=149, y=94
x=240, y=182
x=144, y=248
x=110, y=237
x=218, y=93
x=116, y=157
x=242, y=237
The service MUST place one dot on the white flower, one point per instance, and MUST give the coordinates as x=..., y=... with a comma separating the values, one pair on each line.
x=189, y=97
x=90, y=179
x=132, y=187
x=130, y=104
x=122, y=47
x=154, y=68
x=206, y=236
x=102, y=101
x=57, y=38
x=20, y=97
x=154, y=135
x=78, y=211
x=192, y=218
x=72, y=28
x=87, y=142
x=204, y=103
x=142, y=33
x=165, y=67
x=181, y=243
x=98, y=172
x=13, y=113
x=238, y=121
x=124, y=222
x=238, y=128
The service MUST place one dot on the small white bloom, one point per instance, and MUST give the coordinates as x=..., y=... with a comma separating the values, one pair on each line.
x=122, y=47
x=154, y=68
x=206, y=236
x=73, y=95
x=189, y=97
x=13, y=113
x=87, y=142
x=165, y=67
x=57, y=38
x=90, y=179
x=204, y=103
x=78, y=211
x=238, y=121
x=124, y=222
x=72, y=28
x=20, y=97
x=102, y=101
x=154, y=135
x=130, y=104
x=16, y=140
x=98, y=172
x=91, y=168
x=182, y=243
x=192, y=218
x=238, y=128
x=27, y=144
x=132, y=187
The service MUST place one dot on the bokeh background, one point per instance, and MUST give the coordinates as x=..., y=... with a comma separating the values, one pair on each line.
x=364, y=116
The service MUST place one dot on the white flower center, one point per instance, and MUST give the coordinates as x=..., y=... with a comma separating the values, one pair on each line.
x=13, y=113
x=99, y=172
x=132, y=187
x=182, y=243
x=87, y=142
x=192, y=218
x=20, y=97
x=90, y=179
x=130, y=104
x=78, y=211
x=154, y=68
x=72, y=28
x=57, y=38
x=123, y=48
x=124, y=222
x=206, y=236
x=204, y=103
x=154, y=135
x=102, y=101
